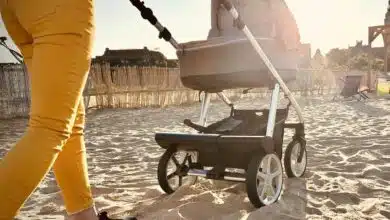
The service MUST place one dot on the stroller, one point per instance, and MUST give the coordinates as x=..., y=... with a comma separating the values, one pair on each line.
x=249, y=140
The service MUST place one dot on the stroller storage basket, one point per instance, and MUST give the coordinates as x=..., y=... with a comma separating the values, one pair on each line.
x=236, y=136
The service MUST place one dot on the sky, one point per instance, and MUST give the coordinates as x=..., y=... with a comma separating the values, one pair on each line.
x=323, y=24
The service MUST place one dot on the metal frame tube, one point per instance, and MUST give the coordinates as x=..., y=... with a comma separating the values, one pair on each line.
x=266, y=60
x=272, y=111
x=224, y=98
x=204, y=109
x=14, y=53
x=173, y=42
x=203, y=173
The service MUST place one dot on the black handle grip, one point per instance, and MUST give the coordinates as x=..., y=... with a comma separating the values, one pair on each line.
x=3, y=38
x=147, y=14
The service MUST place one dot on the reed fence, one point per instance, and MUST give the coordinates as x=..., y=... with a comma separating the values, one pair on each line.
x=14, y=91
x=139, y=87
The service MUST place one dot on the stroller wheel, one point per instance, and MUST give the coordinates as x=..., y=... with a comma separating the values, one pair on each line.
x=173, y=168
x=293, y=167
x=264, y=181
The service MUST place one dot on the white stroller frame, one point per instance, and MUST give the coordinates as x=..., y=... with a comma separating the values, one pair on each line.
x=298, y=139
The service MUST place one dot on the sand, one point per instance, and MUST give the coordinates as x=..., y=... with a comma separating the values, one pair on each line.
x=348, y=174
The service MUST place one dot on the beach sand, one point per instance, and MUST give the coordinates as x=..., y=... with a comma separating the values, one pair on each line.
x=348, y=173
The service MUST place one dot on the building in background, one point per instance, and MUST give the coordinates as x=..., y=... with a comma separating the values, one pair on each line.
x=135, y=57
x=305, y=56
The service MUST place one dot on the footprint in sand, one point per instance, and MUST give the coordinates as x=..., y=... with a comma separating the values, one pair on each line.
x=364, y=190
x=313, y=211
x=332, y=174
x=49, y=209
x=385, y=151
x=339, y=210
x=344, y=198
x=330, y=204
x=117, y=139
x=49, y=190
x=385, y=213
x=101, y=190
x=315, y=205
x=318, y=181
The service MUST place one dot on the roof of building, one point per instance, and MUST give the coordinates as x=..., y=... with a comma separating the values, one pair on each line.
x=132, y=53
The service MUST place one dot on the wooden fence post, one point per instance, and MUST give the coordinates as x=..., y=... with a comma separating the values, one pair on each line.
x=107, y=78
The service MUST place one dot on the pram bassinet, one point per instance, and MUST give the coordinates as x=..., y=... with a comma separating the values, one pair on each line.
x=224, y=63
x=227, y=59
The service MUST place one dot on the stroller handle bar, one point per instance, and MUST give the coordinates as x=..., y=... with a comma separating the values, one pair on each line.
x=14, y=53
x=147, y=14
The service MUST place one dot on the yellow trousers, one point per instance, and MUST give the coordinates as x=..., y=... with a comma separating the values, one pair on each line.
x=55, y=38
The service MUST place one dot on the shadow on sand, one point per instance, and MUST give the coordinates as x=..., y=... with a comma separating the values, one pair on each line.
x=364, y=107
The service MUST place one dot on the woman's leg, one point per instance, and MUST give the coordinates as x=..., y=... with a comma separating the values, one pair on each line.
x=62, y=32
x=71, y=169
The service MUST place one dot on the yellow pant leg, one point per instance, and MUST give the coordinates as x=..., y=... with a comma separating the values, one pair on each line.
x=59, y=66
x=71, y=169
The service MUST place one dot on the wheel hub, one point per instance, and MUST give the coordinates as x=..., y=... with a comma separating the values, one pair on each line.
x=268, y=180
x=182, y=170
x=298, y=166
x=272, y=167
x=173, y=169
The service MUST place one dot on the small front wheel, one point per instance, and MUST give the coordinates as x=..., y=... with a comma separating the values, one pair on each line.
x=173, y=168
x=294, y=167
x=264, y=180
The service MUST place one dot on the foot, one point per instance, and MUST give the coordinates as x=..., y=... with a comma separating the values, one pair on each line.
x=103, y=216
x=88, y=214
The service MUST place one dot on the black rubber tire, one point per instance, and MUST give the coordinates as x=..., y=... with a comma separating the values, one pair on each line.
x=251, y=180
x=162, y=171
x=287, y=159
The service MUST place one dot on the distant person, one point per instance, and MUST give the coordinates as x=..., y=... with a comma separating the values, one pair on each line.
x=55, y=38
